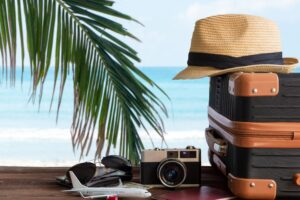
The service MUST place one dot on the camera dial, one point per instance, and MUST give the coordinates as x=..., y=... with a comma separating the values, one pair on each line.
x=171, y=172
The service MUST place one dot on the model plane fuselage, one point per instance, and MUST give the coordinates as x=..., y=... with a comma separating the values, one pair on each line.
x=98, y=192
x=119, y=191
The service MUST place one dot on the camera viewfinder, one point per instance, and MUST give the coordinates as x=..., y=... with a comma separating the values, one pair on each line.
x=172, y=154
x=188, y=154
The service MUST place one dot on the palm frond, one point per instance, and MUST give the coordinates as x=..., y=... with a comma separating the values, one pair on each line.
x=111, y=96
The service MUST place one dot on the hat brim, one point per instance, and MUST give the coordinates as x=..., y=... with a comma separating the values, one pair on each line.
x=195, y=72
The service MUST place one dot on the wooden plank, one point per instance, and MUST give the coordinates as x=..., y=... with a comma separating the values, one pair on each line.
x=38, y=183
x=31, y=183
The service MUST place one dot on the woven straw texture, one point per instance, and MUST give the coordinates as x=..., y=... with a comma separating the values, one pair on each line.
x=236, y=35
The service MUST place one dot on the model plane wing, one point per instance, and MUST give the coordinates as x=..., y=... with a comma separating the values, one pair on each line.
x=72, y=190
x=227, y=198
x=97, y=196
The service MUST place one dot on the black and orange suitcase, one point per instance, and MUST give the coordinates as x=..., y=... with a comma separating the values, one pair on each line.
x=255, y=148
x=261, y=160
x=256, y=97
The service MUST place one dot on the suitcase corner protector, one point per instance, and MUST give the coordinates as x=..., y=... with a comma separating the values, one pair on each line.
x=253, y=84
x=252, y=188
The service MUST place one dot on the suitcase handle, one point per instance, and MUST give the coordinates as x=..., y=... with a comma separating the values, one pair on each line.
x=217, y=145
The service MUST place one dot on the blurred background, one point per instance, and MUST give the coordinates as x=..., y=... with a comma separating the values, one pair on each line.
x=29, y=134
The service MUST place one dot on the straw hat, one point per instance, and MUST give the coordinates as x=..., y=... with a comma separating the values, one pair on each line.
x=230, y=43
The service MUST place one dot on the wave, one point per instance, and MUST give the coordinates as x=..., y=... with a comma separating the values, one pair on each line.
x=34, y=133
x=52, y=147
x=38, y=163
x=62, y=134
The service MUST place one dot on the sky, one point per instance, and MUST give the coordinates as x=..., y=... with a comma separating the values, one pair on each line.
x=168, y=24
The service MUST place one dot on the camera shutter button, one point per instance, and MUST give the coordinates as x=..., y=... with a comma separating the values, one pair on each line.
x=190, y=147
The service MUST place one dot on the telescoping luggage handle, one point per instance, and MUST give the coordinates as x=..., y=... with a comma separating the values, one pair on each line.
x=217, y=145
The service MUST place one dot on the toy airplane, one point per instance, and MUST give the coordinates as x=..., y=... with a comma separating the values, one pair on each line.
x=102, y=192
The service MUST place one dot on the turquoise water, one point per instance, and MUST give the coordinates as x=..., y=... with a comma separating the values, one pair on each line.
x=29, y=135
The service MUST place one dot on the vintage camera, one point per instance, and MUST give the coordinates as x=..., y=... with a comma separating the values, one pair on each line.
x=171, y=167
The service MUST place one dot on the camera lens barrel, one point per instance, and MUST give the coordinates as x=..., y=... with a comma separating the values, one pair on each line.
x=171, y=172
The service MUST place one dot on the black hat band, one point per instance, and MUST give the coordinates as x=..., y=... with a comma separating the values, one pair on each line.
x=224, y=61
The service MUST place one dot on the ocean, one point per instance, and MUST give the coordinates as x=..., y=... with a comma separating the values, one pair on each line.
x=30, y=136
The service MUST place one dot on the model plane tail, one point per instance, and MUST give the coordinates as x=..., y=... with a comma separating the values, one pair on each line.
x=75, y=182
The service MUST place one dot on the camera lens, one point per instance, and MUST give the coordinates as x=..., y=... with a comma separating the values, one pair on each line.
x=171, y=172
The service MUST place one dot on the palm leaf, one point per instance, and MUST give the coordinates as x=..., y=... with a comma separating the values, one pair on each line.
x=111, y=96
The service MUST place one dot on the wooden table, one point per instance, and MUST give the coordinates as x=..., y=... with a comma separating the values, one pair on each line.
x=34, y=183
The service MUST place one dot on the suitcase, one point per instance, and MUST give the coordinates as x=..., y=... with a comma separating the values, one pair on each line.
x=256, y=97
x=254, y=133
x=260, y=159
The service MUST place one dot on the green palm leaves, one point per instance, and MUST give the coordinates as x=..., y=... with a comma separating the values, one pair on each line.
x=111, y=96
